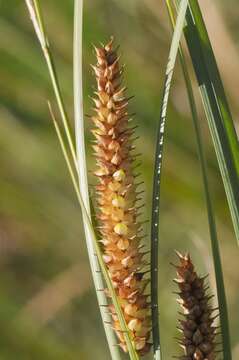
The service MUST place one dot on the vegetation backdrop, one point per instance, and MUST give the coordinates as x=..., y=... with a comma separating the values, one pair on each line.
x=48, y=307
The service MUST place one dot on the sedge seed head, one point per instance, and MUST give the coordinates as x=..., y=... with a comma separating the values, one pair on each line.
x=198, y=332
x=116, y=195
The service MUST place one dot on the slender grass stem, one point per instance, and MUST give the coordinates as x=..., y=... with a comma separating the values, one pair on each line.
x=39, y=18
x=35, y=13
x=61, y=105
x=157, y=178
x=81, y=160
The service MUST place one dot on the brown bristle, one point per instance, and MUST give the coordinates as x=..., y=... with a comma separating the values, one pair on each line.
x=198, y=340
x=117, y=198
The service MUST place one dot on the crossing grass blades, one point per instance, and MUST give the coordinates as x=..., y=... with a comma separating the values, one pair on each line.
x=119, y=264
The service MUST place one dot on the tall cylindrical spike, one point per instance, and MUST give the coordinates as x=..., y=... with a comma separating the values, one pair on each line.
x=117, y=196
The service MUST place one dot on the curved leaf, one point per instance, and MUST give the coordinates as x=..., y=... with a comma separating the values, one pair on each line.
x=157, y=177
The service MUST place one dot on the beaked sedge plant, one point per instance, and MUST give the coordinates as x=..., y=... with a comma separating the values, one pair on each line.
x=119, y=248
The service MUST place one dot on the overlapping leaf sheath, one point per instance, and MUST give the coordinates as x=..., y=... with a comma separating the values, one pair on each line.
x=198, y=339
x=117, y=198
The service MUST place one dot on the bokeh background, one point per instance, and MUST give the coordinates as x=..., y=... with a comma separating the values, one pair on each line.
x=48, y=307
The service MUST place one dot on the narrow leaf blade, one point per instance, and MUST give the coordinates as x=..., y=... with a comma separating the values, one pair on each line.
x=83, y=181
x=216, y=107
x=157, y=177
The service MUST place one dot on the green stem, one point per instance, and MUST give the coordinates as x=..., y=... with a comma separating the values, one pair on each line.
x=55, y=82
x=155, y=220
x=82, y=166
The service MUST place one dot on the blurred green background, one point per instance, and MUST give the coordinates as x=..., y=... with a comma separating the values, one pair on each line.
x=48, y=307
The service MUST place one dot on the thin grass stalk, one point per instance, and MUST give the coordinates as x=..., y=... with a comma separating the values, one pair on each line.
x=39, y=17
x=81, y=160
x=34, y=14
x=132, y=353
x=221, y=295
x=216, y=107
x=157, y=178
x=36, y=17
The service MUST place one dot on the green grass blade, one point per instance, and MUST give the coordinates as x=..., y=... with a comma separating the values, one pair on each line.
x=216, y=80
x=211, y=218
x=130, y=345
x=216, y=107
x=35, y=15
x=81, y=160
x=157, y=178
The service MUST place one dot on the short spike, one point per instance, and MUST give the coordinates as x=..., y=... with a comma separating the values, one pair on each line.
x=197, y=329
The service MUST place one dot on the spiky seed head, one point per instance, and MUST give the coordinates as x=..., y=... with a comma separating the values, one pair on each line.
x=197, y=326
x=117, y=197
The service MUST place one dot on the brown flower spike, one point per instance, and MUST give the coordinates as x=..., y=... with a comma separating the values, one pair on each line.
x=117, y=198
x=199, y=334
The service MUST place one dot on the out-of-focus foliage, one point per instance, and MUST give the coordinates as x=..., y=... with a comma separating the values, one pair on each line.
x=48, y=305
